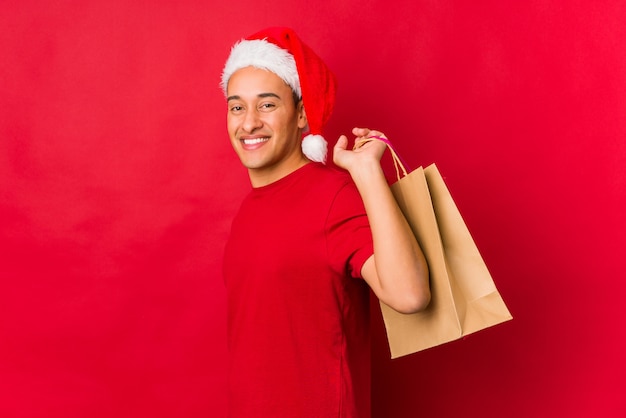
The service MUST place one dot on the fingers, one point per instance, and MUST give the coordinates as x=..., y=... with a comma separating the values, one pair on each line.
x=360, y=131
x=366, y=133
x=342, y=142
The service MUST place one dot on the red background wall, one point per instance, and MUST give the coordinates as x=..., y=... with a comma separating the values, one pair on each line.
x=117, y=186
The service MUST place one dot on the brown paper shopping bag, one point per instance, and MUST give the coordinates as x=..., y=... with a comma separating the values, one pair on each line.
x=464, y=297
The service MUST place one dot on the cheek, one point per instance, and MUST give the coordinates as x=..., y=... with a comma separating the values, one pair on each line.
x=231, y=125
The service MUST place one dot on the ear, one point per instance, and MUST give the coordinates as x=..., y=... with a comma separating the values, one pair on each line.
x=302, y=120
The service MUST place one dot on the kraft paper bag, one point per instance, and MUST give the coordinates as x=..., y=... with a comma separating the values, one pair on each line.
x=464, y=298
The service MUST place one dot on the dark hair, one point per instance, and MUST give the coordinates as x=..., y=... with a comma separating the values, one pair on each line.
x=296, y=98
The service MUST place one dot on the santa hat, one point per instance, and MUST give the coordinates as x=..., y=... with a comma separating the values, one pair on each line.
x=280, y=51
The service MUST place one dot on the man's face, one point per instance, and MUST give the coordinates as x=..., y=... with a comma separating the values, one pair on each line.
x=264, y=124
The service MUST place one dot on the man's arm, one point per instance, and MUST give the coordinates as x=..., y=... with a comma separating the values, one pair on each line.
x=397, y=271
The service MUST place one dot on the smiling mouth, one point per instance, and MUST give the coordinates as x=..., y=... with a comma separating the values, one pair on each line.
x=255, y=141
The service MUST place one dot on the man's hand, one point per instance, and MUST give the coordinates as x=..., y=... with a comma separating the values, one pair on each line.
x=362, y=157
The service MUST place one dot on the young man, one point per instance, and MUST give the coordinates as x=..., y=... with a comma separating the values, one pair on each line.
x=307, y=241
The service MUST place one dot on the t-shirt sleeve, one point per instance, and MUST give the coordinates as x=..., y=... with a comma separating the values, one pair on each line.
x=349, y=237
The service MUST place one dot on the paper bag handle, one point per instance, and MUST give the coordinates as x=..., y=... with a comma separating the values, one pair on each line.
x=397, y=161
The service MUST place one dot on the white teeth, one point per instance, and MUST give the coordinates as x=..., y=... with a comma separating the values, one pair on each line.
x=255, y=141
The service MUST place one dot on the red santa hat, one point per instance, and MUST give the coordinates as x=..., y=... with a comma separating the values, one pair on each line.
x=280, y=51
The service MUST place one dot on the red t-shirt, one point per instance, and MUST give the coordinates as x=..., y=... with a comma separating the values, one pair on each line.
x=298, y=317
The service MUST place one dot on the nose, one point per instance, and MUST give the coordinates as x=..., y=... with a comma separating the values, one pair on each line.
x=251, y=121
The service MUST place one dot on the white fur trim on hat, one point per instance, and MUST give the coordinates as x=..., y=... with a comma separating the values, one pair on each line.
x=315, y=148
x=260, y=53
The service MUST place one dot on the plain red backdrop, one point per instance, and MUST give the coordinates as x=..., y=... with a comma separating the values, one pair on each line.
x=117, y=186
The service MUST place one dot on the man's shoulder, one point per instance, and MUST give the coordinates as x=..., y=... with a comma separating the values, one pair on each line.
x=326, y=182
x=329, y=173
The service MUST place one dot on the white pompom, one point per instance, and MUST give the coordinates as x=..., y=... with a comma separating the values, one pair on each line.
x=315, y=148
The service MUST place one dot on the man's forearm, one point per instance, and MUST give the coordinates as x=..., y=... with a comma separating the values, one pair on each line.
x=397, y=272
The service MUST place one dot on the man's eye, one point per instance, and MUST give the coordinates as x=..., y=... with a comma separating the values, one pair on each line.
x=266, y=106
x=236, y=108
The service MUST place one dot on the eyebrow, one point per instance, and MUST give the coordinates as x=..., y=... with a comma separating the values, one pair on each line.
x=261, y=96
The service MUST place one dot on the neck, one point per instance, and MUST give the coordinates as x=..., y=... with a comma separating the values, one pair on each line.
x=268, y=175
